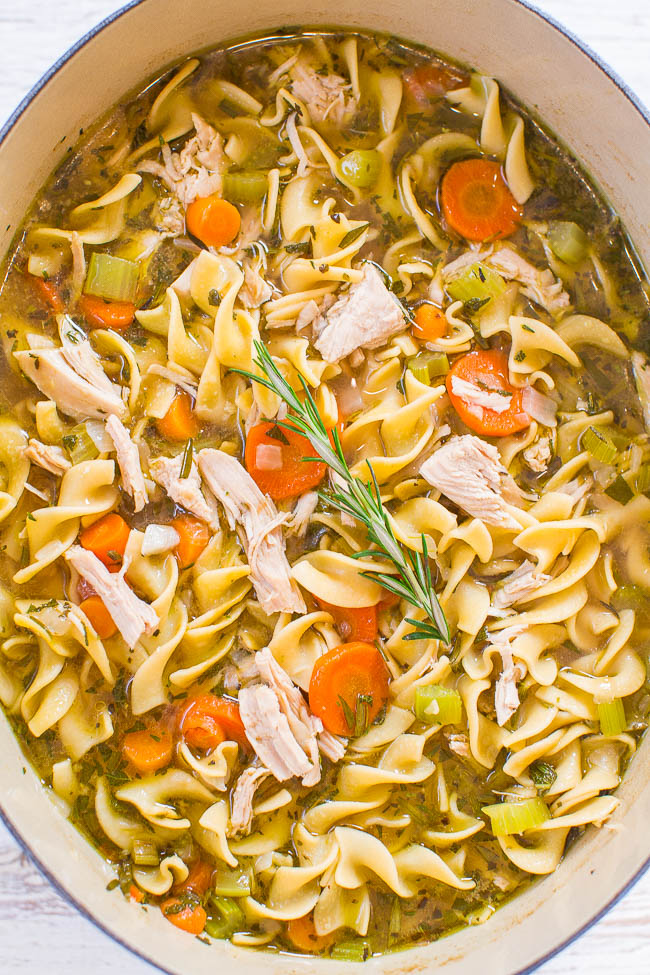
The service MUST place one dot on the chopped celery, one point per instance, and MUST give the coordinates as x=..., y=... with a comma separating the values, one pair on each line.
x=245, y=187
x=79, y=444
x=361, y=167
x=642, y=479
x=227, y=917
x=351, y=951
x=438, y=705
x=611, y=715
x=112, y=278
x=476, y=286
x=568, y=241
x=425, y=366
x=144, y=853
x=600, y=445
x=508, y=818
x=232, y=883
x=619, y=490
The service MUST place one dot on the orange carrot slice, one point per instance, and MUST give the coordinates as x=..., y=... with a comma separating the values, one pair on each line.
x=99, y=617
x=487, y=370
x=213, y=221
x=106, y=314
x=293, y=475
x=148, y=750
x=179, y=422
x=343, y=678
x=107, y=538
x=194, y=536
x=476, y=201
x=430, y=323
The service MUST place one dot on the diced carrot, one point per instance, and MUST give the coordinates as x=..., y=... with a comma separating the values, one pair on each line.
x=476, y=201
x=343, y=676
x=194, y=536
x=213, y=220
x=148, y=750
x=295, y=475
x=179, y=422
x=198, y=879
x=430, y=80
x=99, y=617
x=187, y=917
x=136, y=894
x=302, y=933
x=353, y=623
x=388, y=601
x=107, y=314
x=107, y=538
x=49, y=293
x=207, y=720
x=430, y=323
x=487, y=370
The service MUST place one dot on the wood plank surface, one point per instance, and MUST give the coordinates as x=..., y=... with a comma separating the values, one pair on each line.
x=39, y=931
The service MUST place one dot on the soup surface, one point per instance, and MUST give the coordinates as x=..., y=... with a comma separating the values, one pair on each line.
x=325, y=475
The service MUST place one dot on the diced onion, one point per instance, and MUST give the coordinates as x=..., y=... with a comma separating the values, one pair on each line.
x=158, y=539
x=539, y=407
x=348, y=395
x=96, y=430
x=268, y=457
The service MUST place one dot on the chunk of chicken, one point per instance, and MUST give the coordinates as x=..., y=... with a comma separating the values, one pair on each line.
x=159, y=539
x=80, y=355
x=506, y=695
x=469, y=472
x=73, y=395
x=364, y=317
x=131, y=615
x=185, y=491
x=50, y=458
x=303, y=509
x=128, y=459
x=519, y=585
x=258, y=523
x=325, y=95
x=255, y=289
x=539, y=455
x=268, y=731
x=247, y=785
x=196, y=170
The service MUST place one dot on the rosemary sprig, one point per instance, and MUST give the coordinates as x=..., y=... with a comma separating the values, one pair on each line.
x=361, y=501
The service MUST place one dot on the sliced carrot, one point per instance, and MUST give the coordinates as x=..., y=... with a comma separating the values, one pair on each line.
x=187, y=917
x=106, y=314
x=148, y=750
x=179, y=422
x=194, y=536
x=207, y=720
x=198, y=879
x=476, y=201
x=343, y=675
x=213, y=220
x=107, y=538
x=295, y=475
x=428, y=81
x=430, y=323
x=353, y=624
x=99, y=617
x=487, y=370
x=302, y=933
x=136, y=894
x=49, y=293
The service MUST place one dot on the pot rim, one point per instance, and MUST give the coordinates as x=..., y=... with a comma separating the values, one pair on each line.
x=5, y=129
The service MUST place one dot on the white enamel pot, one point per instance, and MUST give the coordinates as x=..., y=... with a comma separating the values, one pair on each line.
x=609, y=131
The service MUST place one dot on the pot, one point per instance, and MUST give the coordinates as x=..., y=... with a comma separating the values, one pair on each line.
x=609, y=132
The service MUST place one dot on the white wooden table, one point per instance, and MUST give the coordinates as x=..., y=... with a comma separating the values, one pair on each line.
x=39, y=931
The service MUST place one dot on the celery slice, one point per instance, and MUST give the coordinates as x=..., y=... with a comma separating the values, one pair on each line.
x=351, y=951
x=476, y=286
x=144, y=853
x=600, y=445
x=642, y=479
x=79, y=444
x=231, y=883
x=568, y=241
x=112, y=278
x=227, y=917
x=245, y=187
x=508, y=818
x=611, y=715
x=619, y=490
x=425, y=366
x=438, y=705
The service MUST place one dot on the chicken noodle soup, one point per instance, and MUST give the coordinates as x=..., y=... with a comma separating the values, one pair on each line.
x=325, y=476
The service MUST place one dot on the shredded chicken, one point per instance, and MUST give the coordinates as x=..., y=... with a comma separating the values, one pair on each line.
x=268, y=731
x=159, y=539
x=519, y=585
x=196, y=170
x=478, y=399
x=303, y=509
x=255, y=289
x=539, y=455
x=248, y=782
x=459, y=744
x=131, y=615
x=470, y=473
x=642, y=381
x=325, y=95
x=258, y=523
x=307, y=314
x=78, y=264
x=73, y=395
x=185, y=491
x=50, y=458
x=506, y=695
x=364, y=317
x=128, y=459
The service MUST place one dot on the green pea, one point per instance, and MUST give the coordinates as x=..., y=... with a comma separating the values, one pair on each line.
x=361, y=167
